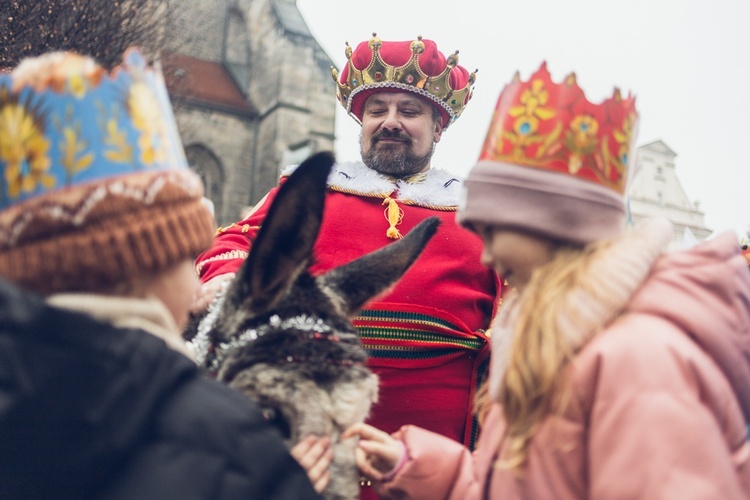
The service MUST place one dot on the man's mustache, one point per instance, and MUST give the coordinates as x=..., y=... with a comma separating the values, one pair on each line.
x=384, y=134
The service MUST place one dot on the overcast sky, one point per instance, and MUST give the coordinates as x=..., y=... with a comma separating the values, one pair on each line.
x=687, y=61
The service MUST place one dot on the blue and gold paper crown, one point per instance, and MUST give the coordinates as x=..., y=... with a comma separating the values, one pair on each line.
x=64, y=121
x=94, y=186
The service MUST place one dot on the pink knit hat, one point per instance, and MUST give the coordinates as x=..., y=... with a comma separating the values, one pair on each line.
x=553, y=163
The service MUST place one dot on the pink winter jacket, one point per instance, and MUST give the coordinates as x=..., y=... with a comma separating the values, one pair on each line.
x=659, y=405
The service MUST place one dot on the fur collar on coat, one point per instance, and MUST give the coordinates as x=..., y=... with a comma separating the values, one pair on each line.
x=435, y=188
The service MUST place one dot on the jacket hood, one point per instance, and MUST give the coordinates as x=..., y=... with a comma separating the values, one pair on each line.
x=706, y=291
x=75, y=394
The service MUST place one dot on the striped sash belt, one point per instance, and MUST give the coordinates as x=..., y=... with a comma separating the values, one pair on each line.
x=397, y=338
x=408, y=335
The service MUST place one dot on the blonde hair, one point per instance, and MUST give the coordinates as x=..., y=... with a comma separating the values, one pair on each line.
x=482, y=402
x=535, y=383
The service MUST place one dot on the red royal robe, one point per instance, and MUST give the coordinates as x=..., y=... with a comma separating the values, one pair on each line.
x=425, y=338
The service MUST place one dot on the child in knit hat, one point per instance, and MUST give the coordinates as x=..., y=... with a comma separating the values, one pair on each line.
x=618, y=370
x=101, y=217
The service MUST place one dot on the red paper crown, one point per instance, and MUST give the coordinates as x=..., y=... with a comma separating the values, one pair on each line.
x=416, y=66
x=551, y=126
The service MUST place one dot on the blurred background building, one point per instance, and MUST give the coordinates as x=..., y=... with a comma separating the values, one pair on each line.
x=655, y=190
x=251, y=88
x=252, y=92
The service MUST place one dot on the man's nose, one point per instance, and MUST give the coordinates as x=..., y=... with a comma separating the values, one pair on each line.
x=391, y=122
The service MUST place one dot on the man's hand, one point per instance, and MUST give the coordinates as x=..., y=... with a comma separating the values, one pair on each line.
x=207, y=292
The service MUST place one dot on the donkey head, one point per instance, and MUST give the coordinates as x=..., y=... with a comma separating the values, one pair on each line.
x=284, y=337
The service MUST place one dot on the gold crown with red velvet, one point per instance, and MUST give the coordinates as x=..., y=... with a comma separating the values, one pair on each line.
x=414, y=66
x=552, y=126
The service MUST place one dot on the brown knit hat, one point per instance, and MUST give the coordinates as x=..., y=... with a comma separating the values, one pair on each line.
x=95, y=188
x=553, y=163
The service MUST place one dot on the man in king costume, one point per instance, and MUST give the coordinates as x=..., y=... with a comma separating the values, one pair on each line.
x=426, y=338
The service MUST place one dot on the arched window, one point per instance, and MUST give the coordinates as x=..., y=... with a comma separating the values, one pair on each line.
x=208, y=167
x=236, y=48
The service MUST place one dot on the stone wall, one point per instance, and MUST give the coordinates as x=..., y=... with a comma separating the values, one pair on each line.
x=283, y=73
x=230, y=139
x=197, y=28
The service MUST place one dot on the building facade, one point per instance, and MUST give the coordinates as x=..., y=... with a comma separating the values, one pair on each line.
x=252, y=92
x=655, y=190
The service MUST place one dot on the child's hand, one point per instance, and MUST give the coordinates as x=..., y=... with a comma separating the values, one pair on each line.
x=377, y=453
x=314, y=454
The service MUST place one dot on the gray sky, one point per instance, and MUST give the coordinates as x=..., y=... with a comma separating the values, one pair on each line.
x=687, y=61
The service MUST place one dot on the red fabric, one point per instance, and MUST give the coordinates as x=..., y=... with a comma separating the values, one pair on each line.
x=448, y=275
x=396, y=54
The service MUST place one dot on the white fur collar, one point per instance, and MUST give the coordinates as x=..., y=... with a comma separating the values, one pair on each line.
x=433, y=189
x=616, y=274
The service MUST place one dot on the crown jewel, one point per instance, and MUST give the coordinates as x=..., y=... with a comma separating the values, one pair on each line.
x=551, y=126
x=415, y=66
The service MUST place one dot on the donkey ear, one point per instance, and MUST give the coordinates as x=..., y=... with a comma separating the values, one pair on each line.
x=361, y=280
x=285, y=240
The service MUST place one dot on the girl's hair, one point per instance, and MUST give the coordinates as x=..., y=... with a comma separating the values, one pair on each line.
x=535, y=381
x=482, y=402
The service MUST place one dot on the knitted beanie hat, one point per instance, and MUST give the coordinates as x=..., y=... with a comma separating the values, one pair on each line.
x=95, y=187
x=553, y=163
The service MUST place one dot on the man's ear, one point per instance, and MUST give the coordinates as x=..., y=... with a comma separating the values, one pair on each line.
x=438, y=131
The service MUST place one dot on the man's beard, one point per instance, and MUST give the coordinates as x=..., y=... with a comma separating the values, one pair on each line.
x=396, y=160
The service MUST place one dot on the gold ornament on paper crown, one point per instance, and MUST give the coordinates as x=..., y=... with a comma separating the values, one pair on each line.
x=552, y=126
x=410, y=76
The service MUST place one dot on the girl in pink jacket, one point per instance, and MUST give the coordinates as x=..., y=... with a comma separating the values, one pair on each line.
x=619, y=370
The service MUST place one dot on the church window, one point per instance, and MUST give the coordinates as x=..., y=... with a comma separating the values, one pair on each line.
x=203, y=162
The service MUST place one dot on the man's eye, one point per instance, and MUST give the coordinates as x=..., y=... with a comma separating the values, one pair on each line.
x=376, y=111
x=409, y=112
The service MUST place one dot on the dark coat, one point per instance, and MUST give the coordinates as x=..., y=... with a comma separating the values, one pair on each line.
x=88, y=410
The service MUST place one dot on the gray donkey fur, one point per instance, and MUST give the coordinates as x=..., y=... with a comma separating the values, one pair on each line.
x=284, y=337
